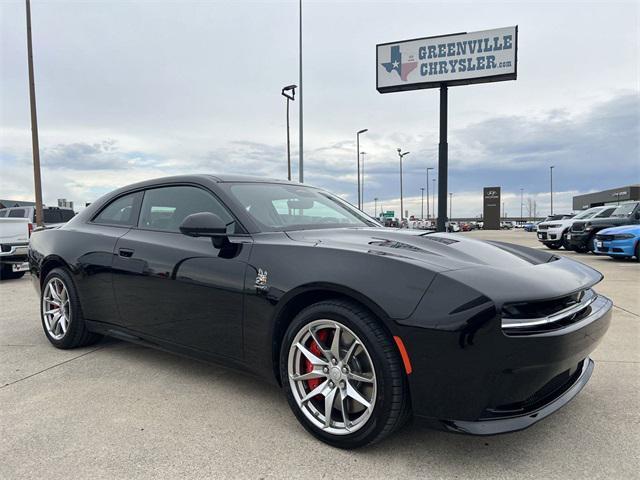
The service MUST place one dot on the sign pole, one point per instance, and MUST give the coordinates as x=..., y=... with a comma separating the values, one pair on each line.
x=443, y=161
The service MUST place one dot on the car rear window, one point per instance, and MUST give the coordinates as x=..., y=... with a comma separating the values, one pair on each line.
x=18, y=213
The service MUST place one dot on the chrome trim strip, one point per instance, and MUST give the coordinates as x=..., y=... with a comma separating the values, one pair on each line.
x=556, y=317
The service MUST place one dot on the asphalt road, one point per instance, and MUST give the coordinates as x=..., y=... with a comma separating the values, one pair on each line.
x=117, y=410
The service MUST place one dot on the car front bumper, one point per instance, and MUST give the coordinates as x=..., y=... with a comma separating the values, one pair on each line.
x=550, y=236
x=579, y=239
x=480, y=381
x=620, y=248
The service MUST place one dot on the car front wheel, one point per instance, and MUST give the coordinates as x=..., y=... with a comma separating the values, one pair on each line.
x=342, y=375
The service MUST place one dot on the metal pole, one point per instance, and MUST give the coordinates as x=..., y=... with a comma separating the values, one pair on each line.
x=301, y=162
x=422, y=204
x=362, y=154
x=433, y=193
x=442, y=161
x=375, y=207
x=358, y=161
x=551, y=187
x=288, y=145
x=34, y=122
x=521, y=192
x=401, y=201
x=450, y=206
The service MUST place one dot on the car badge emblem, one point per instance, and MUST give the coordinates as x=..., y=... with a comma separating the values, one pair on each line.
x=261, y=280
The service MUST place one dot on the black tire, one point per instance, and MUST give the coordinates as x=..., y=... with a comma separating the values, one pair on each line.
x=564, y=242
x=392, y=404
x=77, y=334
x=638, y=251
x=7, y=273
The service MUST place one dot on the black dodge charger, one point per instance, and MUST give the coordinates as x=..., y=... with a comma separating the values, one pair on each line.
x=362, y=326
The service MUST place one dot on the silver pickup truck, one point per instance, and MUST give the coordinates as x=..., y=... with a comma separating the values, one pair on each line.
x=14, y=243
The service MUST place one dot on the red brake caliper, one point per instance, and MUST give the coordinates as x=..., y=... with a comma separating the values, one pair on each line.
x=315, y=349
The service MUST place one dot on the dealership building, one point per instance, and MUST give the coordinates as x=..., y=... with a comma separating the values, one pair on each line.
x=606, y=197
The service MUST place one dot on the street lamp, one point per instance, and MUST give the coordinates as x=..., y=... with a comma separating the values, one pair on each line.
x=551, y=186
x=289, y=92
x=450, y=206
x=433, y=197
x=362, y=154
x=422, y=204
x=358, y=161
x=428, y=168
x=375, y=207
x=401, y=155
x=521, y=192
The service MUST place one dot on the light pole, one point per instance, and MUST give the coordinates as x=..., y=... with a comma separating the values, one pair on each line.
x=521, y=193
x=300, y=123
x=289, y=92
x=422, y=204
x=401, y=155
x=362, y=154
x=358, y=161
x=428, y=168
x=433, y=197
x=34, y=122
x=375, y=207
x=551, y=186
x=450, y=206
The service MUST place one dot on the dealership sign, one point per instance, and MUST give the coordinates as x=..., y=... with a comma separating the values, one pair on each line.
x=456, y=59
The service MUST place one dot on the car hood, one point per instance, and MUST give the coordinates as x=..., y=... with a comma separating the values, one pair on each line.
x=633, y=229
x=440, y=251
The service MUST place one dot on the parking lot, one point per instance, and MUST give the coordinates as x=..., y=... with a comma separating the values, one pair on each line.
x=118, y=410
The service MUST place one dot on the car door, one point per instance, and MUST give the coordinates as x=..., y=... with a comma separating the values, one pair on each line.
x=178, y=288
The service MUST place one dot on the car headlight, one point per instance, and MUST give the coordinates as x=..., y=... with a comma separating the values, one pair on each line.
x=554, y=225
x=623, y=236
x=588, y=227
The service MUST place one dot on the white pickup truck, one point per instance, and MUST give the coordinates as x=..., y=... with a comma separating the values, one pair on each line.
x=14, y=243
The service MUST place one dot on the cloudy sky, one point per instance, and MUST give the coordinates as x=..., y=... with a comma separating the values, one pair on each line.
x=134, y=90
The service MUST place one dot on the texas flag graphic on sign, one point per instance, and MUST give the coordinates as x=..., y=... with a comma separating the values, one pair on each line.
x=403, y=69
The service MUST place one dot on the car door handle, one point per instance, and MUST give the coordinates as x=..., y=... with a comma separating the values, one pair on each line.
x=125, y=252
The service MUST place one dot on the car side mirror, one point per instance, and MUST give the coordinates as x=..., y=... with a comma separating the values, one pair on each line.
x=205, y=224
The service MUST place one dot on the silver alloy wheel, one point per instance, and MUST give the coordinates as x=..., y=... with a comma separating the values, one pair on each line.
x=56, y=311
x=336, y=388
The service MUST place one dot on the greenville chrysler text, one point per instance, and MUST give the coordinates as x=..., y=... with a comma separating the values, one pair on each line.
x=362, y=326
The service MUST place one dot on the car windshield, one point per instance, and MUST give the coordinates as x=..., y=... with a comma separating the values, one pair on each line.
x=587, y=213
x=281, y=207
x=624, y=210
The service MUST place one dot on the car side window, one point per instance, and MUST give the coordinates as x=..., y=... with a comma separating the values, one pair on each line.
x=165, y=208
x=120, y=211
x=17, y=213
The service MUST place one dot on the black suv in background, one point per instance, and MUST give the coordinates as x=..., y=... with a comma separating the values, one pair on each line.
x=583, y=234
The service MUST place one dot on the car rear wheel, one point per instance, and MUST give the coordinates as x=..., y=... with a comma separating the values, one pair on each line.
x=342, y=375
x=61, y=313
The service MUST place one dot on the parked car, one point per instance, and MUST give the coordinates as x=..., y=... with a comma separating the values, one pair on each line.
x=14, y=241
x=583, y=233
x=531, y=227
x=453, y=227
x=553, y=233
x=361, y=326
x=52, y=216
x=506, y=225
x=619, y=242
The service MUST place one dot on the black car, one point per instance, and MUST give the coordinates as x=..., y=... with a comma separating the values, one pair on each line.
x=583, y=234
x=362, y=326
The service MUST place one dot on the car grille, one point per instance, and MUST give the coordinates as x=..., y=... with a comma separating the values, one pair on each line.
x=528, y=318
x=5, y=248
x=604, y=237
x=603, y=249
x=578, y=227
x=543, y=227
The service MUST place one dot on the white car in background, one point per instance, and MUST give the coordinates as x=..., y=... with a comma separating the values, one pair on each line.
x=552, y=233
